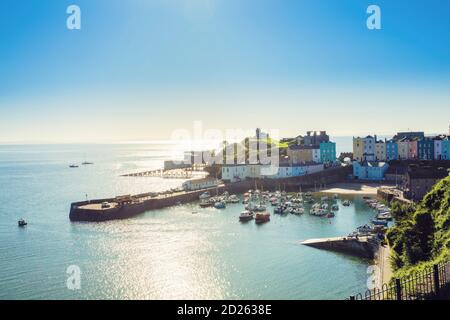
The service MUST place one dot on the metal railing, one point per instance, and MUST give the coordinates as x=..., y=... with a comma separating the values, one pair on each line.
x=430, y=283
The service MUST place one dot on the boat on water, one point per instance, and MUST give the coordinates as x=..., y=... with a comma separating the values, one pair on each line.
x=206, y=204
x=298, y=211
x=377, y=222
x=86, y=163
x=246, y=216
x=22, y=223
x=335, y=207
x=73, y=166
x=262, y=217
x=204, y=195
x=346, y=203
x=220, y=205
x=384, y=216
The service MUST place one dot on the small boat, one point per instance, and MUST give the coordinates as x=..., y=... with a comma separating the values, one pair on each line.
x=335, y=196
x=220, y=205
x=246, y=216
x=278, y=210
x=85, y=163
x=262, y=217
x=298, y=211
x=377, y=222
x=330, y=215
x=22, y=223
x=206, y=204
x=205, y=195
x=73, y=166
x=346, y=203
x=364, y=229
x=384, y=216
x=260, y=208
x=335, y=207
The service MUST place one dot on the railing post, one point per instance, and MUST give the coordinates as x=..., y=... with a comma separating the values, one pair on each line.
x=436, y=278
x=398, y=289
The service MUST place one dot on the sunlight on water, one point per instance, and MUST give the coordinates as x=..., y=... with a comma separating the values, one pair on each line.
x=162, y=254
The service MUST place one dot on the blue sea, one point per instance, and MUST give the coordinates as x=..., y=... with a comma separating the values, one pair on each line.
x=162, y=254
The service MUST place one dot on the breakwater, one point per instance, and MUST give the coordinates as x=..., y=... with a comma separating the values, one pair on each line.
x=365, y=247
x=127, y=206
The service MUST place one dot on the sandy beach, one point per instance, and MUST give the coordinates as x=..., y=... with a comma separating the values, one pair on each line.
x=354, y=188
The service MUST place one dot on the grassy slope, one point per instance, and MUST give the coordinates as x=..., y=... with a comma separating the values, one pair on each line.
x=422, y=238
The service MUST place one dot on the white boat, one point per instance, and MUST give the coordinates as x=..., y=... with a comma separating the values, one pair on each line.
x=335, y=207
x=246, y=216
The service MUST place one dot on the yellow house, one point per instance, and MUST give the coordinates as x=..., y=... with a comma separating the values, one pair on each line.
x=358, y=148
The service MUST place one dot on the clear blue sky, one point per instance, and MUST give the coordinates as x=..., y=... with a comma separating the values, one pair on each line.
x=140, y=69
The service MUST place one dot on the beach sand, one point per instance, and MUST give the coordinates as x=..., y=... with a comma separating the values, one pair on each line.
x=354, y=188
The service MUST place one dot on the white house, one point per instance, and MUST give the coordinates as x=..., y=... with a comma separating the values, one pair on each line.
x=316, y=155
x=369, y=148
x=235, y=172
x=197, y=184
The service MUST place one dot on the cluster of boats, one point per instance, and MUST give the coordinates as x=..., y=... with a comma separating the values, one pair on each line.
x=218, y=202
x=383, y=212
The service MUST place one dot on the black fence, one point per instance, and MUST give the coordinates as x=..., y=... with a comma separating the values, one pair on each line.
x=431, y=283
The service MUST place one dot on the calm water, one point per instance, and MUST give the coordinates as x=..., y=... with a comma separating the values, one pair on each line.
x=164, y=254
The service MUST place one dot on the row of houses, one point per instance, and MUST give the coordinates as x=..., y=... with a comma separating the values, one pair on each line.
x=372, y=156
x=403, y=146
x=241, y=172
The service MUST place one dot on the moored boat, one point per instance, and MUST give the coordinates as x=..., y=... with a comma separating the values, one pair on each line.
x=262, y=217
x=220, y=205
x=22, y=223
x=246, y=216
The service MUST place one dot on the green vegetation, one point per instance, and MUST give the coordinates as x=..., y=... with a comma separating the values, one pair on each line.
x=421, y=236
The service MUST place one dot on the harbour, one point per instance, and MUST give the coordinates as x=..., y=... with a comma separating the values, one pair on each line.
x=214, y=255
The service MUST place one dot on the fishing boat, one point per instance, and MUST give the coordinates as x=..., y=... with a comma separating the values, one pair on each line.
x=262, y=217
x=246, y=216
x=22, y=223
x=73, y=166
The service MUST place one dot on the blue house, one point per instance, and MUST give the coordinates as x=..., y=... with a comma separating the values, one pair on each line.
x=446, y=149
x=327, y=152
x=369, y=170
x=391, y=150
x=426, y=149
